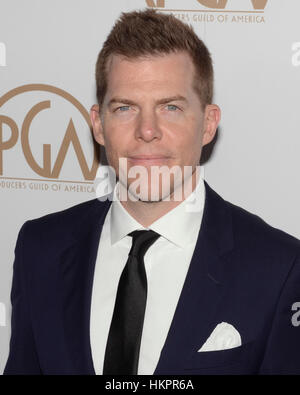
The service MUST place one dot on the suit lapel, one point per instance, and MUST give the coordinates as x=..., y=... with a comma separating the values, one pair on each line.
x=193, y=320
x=77, y=272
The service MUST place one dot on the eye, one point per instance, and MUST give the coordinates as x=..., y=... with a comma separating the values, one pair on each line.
x=172, y=107
x=123, y=108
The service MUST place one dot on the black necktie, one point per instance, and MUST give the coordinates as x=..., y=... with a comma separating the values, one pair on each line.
x=124, y=339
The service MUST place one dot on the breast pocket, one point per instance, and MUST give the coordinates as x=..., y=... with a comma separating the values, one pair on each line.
x=220, y=361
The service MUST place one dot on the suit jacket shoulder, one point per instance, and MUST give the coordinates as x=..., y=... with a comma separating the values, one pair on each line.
x=253, y=234
x=62, y=227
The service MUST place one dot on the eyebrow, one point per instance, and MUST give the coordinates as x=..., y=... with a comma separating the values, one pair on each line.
x=161, y=101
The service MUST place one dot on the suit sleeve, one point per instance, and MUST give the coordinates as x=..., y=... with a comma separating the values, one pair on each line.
x=282, y=355
x=22, y=357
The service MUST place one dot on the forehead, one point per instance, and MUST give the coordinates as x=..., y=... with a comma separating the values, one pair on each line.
x=174, y=70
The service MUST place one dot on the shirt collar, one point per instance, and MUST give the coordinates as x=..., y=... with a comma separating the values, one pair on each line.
x=180, y=225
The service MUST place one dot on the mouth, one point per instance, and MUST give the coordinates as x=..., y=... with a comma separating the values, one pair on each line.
x=148, y=159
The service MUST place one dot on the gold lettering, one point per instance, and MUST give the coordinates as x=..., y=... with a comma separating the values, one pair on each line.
x=159, y=3
x=213, y=3
x=5, y=145
x=259, y=4
x=44, y=171
x=71, y=137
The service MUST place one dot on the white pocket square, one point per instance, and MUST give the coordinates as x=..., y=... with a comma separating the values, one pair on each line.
x=223, y=337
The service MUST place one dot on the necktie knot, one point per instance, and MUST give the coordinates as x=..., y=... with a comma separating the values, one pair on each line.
x=141, y=241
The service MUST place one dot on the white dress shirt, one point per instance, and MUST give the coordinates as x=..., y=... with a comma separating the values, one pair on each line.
x=166, y=263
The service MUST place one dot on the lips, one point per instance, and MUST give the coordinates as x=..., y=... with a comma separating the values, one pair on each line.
x=148, y=159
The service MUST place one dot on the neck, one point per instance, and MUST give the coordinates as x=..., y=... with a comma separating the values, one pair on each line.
x=148, y=212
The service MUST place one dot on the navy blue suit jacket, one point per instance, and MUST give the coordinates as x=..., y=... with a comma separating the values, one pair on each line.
x=243, y=272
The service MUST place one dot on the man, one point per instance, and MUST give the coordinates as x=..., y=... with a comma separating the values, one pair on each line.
x=147, y=285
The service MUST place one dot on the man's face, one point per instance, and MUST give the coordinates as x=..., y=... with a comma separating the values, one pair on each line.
x=151, y=109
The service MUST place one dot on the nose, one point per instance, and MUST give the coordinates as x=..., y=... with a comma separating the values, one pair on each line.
x=147, y=127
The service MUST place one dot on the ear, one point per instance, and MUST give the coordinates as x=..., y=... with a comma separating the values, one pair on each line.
x=212, y=116
x=97, y=124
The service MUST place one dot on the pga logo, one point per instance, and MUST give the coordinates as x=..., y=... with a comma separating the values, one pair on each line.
x=2, y=55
